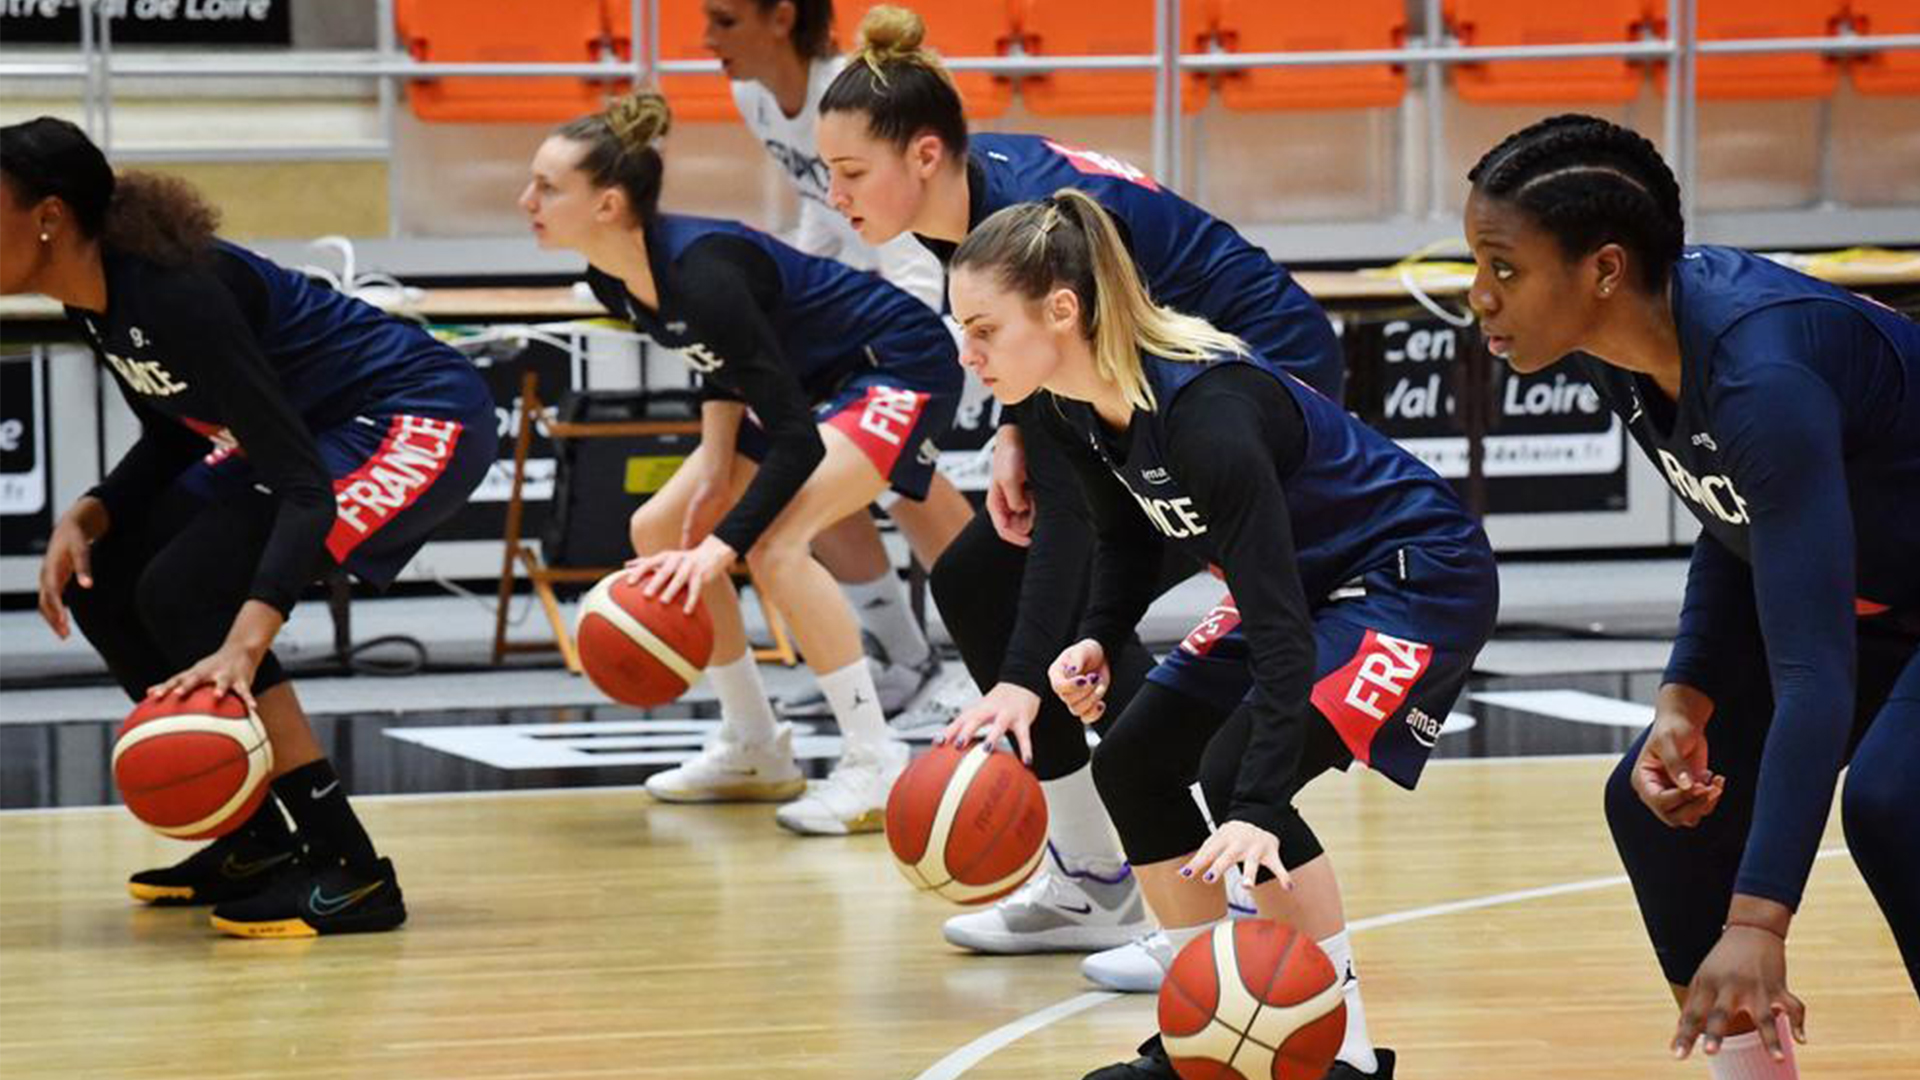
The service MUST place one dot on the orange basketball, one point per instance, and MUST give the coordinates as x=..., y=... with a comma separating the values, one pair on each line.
x=637, y=650
x=968, y=825
x=1252, y=1000
x=193, y=767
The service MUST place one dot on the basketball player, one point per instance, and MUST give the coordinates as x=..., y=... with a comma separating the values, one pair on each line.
x=849, y=380
x=894, y=135
x=1785, y=414
x=285, y=429
x=1360, y=590
x=780, y=56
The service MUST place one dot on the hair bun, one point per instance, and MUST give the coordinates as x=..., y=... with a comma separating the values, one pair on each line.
x=639, y=118
x=891, y=33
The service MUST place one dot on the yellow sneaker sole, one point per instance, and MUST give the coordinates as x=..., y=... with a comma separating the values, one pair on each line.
x=752, y=791
x=150, y=894
x=278, y=928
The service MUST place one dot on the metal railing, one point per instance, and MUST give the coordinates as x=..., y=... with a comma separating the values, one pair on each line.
x=98, y=66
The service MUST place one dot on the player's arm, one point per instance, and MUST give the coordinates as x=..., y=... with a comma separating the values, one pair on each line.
x=1229, y=433
x=162, y=452
x=1063, y=545
x=1781, y=425
x=1126, y=554
x=729, y=285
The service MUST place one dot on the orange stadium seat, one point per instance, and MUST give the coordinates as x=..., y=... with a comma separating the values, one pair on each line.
x=1524, y=22
x=967, y=28
x=1264, y=26
x=683, y=33
x=1763, y=75
x=1893, y=72
x=1104, y=28
x=501, y=31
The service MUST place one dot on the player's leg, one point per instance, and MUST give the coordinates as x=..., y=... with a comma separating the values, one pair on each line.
x=241, y=862
x=853, y=798
x=1084, y=896
x=187, y=597
x=904, y=661
x=750, y=757
x=1881, y=803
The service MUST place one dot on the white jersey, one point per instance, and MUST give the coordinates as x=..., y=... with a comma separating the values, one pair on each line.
x=823, y=230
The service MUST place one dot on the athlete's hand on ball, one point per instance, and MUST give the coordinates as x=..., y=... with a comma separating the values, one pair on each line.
x=67, y=558
x=1745, y=976
x=1080, y=678
x=1671, y=775
x=1237, y=842
x=667, y=572
x=1006, y=708
x=230, y=670
x=1008, y=503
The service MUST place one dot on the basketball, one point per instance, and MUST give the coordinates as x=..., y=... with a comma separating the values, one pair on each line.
x=193, y=767
x=637, y=650
x=968, y=825
x=1252, y=1000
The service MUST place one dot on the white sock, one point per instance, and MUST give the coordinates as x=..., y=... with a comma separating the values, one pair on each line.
x=745, y=713
x=855, y=703
x=1180, y=935
x=1745, y=1057
x=1078, y=825
x=1357, y=1048
x=881, y=605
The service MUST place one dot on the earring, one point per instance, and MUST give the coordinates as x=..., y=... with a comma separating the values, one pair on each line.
x=45, y=237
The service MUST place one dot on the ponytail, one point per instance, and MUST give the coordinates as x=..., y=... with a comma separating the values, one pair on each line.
x=1070, y=241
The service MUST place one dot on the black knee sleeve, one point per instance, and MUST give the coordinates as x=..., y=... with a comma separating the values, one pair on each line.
x=1144, y=768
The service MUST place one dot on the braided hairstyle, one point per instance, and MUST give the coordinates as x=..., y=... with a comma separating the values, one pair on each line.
x=1590, y=182
x=620, y=148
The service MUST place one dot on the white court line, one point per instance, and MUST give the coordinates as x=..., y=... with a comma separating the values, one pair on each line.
x=956, y=1064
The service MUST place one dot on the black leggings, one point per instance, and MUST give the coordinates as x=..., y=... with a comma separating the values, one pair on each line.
x=1146, y=765
x=976, y=585
x=1684, y=878
x=167, y=585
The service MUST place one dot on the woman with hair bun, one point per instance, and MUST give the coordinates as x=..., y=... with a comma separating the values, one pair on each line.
x=894, y=134
x=1785, y=414
x=285, y=430
x=848, y=380
x=780, y=57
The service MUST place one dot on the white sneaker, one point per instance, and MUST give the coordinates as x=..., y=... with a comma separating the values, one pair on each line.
x=728, y=771
x=899, y=684
x=1138, y=966
x=937, y=705
x=1058, y=910
x=1134, y=968
x=853, y=798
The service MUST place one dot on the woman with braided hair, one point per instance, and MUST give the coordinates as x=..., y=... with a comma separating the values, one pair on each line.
x=848, y=380
x=1785, y=414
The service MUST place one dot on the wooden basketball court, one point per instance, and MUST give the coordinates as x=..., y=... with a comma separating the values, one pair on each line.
x=594, y=933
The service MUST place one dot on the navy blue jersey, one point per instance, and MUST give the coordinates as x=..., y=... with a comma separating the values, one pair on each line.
x=1190, y=260
x=829, y=318
x=257, y=358
x=1353, y=497
x=1796, y=444
x=1243, y=466
x=781, y=331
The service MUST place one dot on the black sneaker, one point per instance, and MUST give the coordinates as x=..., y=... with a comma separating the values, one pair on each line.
x=238, y=865
x=1152, y=1064
x=1343, y=1071
x=312, y=900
